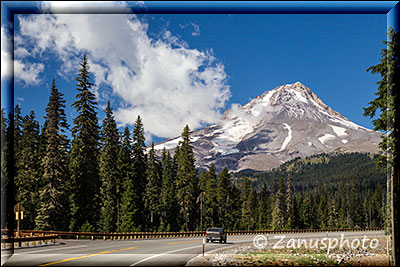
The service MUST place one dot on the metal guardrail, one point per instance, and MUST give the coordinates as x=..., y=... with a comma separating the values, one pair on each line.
x=27, y=239
x=33, y=235
x=254, y=232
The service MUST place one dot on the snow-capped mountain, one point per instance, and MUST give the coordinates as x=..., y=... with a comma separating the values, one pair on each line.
x=286, y=122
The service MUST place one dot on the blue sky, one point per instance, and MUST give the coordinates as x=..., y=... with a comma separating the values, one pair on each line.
x=193, y=67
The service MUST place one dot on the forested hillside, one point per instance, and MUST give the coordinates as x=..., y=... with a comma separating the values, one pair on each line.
x=344, y=190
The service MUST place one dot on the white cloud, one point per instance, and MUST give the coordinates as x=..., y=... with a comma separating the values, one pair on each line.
x=23, y=71
x=27, y=72
x=6, y=58
x=163, y=80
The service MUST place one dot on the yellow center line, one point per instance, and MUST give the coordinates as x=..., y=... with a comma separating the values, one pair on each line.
x=86, y=256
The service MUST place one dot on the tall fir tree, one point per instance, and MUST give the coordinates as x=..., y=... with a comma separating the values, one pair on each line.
x=203, y=177
x=264, y=209
x=254, y=199
x=278, y=212
x=223, y=198
x=129, y=210
x=387, y=104
x=84, y=163
x=169, y=214
x=139, y=168
x=246, y=197
x=322, y=210
x=289, y=203
x=152, y=190
x=186, y=182
x=109, y=175
x=210, y=200
x=29, y=171
x=53, y=213
x=333, y=217
x=232, y=214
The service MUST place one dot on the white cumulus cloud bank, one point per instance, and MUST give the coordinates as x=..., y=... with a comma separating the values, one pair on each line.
x=164, y=81
x=23, y=71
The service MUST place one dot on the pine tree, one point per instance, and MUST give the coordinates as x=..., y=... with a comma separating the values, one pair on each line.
x=387, y=104
x=28, y=170
x=211, y=195
x=289, y=204
x=223, y=198
x=109, y=175
x=139, y=168
x=53, y=212
x=264, y=210
x=186, y=182
x=246, y=205
x=84, y=163
x=209, y=191
x=233, y=214
x=333, y=221
x=322, y=218
x=313, y=213
x=201, y=199
x=296, y=223
x=153, y=188
x=169, y=214
x=278, y=212
x=355, y=209
x=253, y=199
x=129, y=210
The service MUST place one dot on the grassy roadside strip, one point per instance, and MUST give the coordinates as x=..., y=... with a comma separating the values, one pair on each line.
x=248, y=255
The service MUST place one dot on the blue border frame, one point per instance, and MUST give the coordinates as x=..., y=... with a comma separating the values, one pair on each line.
x=9, y=8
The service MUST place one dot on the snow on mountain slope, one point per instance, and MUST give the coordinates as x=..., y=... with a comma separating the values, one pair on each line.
x=286, y=122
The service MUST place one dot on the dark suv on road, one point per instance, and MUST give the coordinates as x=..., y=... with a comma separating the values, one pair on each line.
x=215, y=234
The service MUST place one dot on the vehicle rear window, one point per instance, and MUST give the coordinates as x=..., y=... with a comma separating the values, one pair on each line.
x=213, y=230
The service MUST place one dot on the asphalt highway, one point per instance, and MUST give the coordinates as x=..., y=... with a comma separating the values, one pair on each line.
x=145, y=252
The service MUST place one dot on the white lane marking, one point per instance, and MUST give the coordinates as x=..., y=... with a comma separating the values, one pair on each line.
x=169, y=252
x=36, y=251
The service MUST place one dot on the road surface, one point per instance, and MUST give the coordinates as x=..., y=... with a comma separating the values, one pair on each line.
x=148, y=252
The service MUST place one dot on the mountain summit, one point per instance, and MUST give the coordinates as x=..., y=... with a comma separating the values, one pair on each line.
x=284, y=123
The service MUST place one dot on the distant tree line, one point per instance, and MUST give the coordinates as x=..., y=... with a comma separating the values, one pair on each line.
x=108, y=181
x=336, y=190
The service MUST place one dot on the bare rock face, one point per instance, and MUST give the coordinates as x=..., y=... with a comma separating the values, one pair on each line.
x=284, y=123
